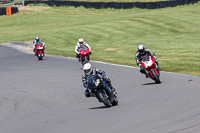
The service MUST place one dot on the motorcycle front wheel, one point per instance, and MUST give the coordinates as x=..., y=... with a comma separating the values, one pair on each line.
x=103, y=98
x=40, y=56
x=156, y=77
x=115, y=101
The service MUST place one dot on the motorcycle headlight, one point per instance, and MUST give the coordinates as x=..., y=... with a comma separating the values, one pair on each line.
x=97, y=82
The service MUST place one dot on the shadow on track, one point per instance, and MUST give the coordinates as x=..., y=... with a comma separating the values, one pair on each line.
x=101, y=107
x=153, y=83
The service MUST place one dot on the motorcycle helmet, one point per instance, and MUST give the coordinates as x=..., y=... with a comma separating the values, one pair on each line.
x=80, y=40
x=37, y=38
x=141, y=49
x=87, y=68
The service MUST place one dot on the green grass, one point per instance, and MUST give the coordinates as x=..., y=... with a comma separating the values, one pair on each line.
x=11, y=4
x=122, y=0
x=172, y=33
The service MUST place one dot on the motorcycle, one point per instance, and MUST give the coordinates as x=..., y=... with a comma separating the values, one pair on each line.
x=39, y=51
x=151, y=68
x=101, y=90
x=84, y=55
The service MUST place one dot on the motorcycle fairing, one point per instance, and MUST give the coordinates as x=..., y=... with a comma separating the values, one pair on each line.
x=84, y=51
x=108, y=90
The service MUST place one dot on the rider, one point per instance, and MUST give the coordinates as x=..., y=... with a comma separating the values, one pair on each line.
x=37, y=41
x=78, y=45
x=139, y=56
x=88, y=70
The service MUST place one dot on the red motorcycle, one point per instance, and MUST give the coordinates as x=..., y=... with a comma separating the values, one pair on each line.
x=39, y=51
x=151, y=68
x=84, y=55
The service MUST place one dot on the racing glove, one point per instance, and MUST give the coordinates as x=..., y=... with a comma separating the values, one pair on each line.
x=85, y=85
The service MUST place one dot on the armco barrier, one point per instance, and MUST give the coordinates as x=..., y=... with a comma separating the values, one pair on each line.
x=8, y=10
x=116, y=5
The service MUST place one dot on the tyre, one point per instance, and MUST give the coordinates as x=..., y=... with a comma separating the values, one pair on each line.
x=85, y=60
x=115, y=102
x=155, y=77
x=40, y=57
x=102, y=97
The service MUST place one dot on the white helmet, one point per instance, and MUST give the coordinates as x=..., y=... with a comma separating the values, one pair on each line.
x=87, y=68
x=141, y=48
x=37, y=38
x=80, y=40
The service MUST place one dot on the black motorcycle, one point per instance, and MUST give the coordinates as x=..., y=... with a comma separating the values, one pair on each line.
x=101, y=90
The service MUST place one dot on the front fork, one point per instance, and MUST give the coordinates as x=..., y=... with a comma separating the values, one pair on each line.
x=109, y=91
x=148, y=72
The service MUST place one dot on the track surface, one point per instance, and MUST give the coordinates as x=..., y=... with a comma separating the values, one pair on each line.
x=48, y=97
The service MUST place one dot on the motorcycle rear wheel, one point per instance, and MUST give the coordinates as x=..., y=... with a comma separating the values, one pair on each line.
x=102, y=97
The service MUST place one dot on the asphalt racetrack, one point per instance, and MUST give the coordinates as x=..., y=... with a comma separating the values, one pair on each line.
x=48, y=97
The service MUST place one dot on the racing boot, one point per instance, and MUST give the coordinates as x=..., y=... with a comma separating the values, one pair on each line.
x=158, y=68
x=108, y=81
x=146, y=74
x=143, y=71
x=113, y=89
x=88, y=93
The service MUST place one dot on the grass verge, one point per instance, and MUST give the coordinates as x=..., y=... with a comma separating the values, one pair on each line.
x=122, y=0
x=172, y=33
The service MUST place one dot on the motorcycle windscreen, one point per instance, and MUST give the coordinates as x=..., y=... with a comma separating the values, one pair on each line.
x=92, y=81
x=147, y=62
x=145, y=58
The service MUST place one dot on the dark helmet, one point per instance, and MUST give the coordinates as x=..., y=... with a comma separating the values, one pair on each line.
x=141, y=49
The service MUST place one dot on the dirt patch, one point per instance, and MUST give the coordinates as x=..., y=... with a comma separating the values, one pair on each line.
x=29, y=42
x=26, y=47
x=32, y=8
